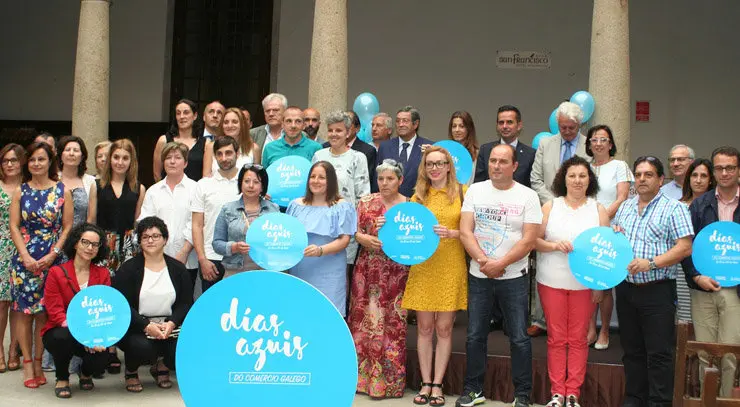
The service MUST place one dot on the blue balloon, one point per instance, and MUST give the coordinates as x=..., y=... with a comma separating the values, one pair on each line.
x=276, y=241
x=461, y=157
x=407, y=235
x=366, y=106
x=98, y=316
x=288, y=177
x=586, y=102
x=554, y=129
x=541, y=135
x=260, y=348
x=716, y=252
x=365, y=134
x=600, y=257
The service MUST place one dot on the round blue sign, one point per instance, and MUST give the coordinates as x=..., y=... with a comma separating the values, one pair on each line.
x=461, y=157
x=600, y=257
x=716, y=252
x=407, y=235
x=98, y=316
x=276, y=241
x=287, y=179
x=262, y=349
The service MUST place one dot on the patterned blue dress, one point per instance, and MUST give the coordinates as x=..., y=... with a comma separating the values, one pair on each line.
x=327, y=273
x=41, y=225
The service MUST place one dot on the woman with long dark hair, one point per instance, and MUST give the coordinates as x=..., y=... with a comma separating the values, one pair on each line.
x=462, y=130
x=186, y=129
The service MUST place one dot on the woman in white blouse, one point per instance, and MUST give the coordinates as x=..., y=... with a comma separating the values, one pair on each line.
x=160, y=293
x=615, y=179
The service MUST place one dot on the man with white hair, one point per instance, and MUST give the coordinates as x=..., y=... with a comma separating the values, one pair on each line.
x=382, y=128
x=552, y=152
x=274, y=106
x=679, y=159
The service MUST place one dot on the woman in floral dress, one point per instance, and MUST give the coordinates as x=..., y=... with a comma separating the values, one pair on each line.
x=12, y=160
x=39, y=224
x=376, y=319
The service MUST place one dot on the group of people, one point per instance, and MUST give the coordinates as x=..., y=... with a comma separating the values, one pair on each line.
x=155, y=245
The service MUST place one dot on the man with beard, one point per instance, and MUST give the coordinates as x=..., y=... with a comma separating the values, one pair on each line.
x=211, y=194
x=312, y=122
x=508, y=127
x=292, y=141
x=213, y=114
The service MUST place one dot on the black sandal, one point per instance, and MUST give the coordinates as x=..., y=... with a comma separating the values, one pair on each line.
x=421, y=398
x=133, y=387
x=165, y=383
x=64, y=392
x=86, y=384
x=114, y=364
x=437, y=400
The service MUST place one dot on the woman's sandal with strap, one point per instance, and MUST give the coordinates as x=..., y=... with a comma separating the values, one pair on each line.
x=422, y=398
x=437, y=400
x=30, y=383
x=165, y=383
x=133, y=387
x=86, y=384
x=63, y=392
x=40, y=380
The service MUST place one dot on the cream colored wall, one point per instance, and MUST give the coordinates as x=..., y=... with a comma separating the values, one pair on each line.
x=684, y=60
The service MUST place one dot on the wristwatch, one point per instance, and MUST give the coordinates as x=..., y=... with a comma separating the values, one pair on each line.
x=57, y=251
x=652, y=264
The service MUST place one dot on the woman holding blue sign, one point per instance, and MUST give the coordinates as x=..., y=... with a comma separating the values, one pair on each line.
x=160, y=293
x=86, y=246
x=375, y=313
x=230, y=232
x=437, y=288
x=330, y=221
x=568, y=305
x=41, y=215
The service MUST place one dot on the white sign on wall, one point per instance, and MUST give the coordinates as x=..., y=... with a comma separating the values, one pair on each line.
x=523, y=59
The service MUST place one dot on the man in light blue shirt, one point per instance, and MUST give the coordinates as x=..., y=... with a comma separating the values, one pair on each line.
x=680, y=158
x=292, y=141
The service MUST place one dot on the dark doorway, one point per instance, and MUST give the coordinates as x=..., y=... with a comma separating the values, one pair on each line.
x=221, y=51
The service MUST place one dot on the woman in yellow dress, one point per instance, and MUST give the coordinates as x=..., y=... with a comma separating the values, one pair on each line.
x=437, y=288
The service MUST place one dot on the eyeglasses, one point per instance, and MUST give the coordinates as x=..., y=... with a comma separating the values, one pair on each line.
x=678, y=159
x=729, y=168
x=9, y=161
x=256, y=167
x=87, y=243
x=599, y=140
x=646, y=158
x=154, y=237
x=435, y=164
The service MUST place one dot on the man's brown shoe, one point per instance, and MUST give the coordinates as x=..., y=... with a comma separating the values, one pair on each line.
x=535, y=331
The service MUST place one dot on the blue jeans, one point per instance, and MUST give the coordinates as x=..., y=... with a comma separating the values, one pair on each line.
x=512, y=297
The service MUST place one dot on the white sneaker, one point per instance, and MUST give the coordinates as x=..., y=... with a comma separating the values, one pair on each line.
x=572, y=401
x=557, y=401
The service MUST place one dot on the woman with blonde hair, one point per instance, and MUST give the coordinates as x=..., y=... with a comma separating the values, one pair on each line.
x=437, y=288
x=101, y=157
x=235, y=126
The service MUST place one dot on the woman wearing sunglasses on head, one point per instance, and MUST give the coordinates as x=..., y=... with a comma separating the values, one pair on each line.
x=85, y=247
x=230, y=232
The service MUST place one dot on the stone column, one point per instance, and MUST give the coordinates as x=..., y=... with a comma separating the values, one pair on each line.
x=609, y=74
x=327, y=82
x=92, y=76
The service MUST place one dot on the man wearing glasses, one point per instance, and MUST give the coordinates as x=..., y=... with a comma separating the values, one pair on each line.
x=660, y=232
x=679, y=159
x=716, y=309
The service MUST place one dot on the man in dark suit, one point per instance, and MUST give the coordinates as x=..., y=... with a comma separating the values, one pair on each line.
x=508, y=127
x=406, y=148
x=363, y=147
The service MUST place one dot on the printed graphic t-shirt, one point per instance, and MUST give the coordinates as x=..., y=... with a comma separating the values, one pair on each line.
x=499, y=217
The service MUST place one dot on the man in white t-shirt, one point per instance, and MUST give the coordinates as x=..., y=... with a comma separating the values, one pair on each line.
x=211, y=194
x=498, y=228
